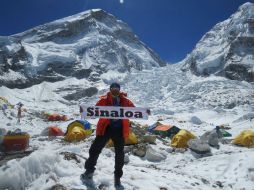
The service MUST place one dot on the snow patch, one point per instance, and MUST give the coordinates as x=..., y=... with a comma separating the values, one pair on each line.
x=114, y=76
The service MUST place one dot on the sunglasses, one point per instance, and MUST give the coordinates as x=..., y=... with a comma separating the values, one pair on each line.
x=114, y=88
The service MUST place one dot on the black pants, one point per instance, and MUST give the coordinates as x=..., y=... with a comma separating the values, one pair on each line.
x=115, y=133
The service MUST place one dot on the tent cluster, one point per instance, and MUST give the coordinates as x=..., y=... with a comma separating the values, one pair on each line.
x=181, y=138
x=80, y=129
x=76, y=131
x=19, y=141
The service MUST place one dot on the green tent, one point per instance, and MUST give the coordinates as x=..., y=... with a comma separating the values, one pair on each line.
x=225, y=133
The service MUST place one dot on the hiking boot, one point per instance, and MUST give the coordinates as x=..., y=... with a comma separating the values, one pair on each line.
x=117, y=182
x=87, y=175
x=87, y=178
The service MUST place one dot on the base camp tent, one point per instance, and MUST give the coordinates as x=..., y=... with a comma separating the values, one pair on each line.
x=152, y=127
x=52, y=131
x=15, y=141
x=181, y=139
x=163, y=130
x=225, y=133
x=245, y=138
x=55, y=117
x=166, y=130
x=78, y=130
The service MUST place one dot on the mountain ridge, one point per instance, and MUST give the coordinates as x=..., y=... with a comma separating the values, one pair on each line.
x=227, y=49
x=84, y=45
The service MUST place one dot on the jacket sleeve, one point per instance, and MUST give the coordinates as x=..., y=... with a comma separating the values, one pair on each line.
x=130, y=104
x=101, y=102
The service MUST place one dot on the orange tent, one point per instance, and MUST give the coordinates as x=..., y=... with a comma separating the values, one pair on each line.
x=57, y=117
x=52, y=131
x=166, y=130
x=162, y=127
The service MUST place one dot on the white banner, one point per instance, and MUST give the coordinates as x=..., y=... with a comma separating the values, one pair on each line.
x=112, y=112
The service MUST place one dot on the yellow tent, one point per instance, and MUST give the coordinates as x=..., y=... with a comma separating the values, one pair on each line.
x=181, y=138
x=132, y=139
x=77, y=132
x=245, y=138
x=3, y=100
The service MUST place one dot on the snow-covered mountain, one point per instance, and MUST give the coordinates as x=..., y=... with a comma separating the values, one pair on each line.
x=174, y=94
x=82, y=46
x=96, y=48
x=227, y=49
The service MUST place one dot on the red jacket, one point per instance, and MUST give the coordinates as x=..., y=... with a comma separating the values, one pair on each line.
x=103, y=123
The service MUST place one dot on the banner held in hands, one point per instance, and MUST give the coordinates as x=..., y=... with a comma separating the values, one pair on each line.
x=112, y=112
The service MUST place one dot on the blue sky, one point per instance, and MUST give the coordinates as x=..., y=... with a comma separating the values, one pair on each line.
x=170, y=27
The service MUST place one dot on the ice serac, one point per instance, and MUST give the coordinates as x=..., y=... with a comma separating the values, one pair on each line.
x=82, y=46
x=227, y=49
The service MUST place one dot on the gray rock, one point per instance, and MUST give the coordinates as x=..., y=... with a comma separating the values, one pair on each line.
x=149, y=139
x=126, y=159
x=81, y=93
x=196, y=120
x=127, y=149
x=58, y=187
x=212, y=137
x=153, y=155
x=139, y=150
x=199, y=146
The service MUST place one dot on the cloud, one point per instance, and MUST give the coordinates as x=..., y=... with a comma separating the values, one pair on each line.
x=121, y=1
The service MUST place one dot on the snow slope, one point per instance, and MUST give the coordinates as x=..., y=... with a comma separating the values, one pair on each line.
x=174, y=99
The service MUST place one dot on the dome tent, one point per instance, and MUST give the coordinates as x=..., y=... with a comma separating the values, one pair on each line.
x=245, y=138
x=78, y=130
x=52, y=131
x=181, y=139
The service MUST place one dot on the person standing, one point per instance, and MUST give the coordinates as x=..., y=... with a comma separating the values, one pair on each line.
x=115, y=129
x=19, y=112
